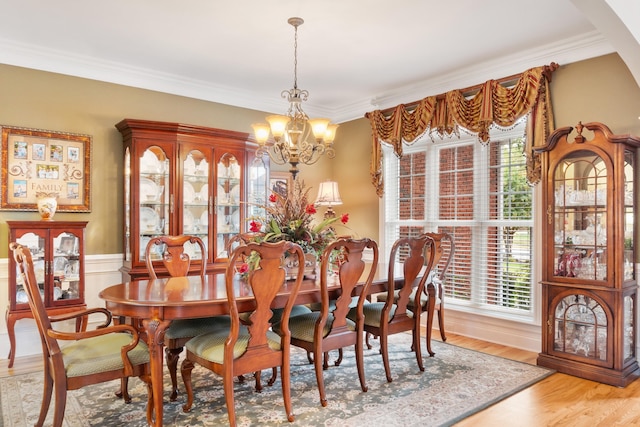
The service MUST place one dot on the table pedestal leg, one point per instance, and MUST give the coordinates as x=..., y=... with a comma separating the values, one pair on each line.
x=155, y=330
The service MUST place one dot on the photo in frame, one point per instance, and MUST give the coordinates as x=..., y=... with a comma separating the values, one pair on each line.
x=41, y=161
x=280, y=182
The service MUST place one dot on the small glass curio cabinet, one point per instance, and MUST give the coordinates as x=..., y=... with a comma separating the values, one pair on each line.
x=589, y=288
x=57, y=250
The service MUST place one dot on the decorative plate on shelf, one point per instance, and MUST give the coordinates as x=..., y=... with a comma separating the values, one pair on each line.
x=204, y=193
x=148, y=190
x=204, y=219
x=189, y=166
x=188, y=193
x=149, y=163
x=187, y=221
x=149, y=219
x=144, y=241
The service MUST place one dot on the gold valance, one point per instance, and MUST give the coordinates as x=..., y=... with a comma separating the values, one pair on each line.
x=475, y=109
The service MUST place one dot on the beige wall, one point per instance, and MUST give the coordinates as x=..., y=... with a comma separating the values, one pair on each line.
x=600, y=89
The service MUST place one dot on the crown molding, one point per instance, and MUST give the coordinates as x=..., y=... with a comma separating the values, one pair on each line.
x=563, y=52
x=589, y=45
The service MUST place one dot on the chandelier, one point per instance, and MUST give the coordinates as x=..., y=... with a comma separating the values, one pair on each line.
x=291, y=132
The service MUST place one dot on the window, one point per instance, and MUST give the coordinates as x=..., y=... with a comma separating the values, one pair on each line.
x=480, y=196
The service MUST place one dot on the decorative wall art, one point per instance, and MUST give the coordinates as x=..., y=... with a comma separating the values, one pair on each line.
x=40, y=161
x=279, y=182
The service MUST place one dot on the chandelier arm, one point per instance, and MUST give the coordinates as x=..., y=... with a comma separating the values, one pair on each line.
x=277, y=158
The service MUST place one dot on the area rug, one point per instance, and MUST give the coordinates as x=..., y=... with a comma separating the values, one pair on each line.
x=457, y=382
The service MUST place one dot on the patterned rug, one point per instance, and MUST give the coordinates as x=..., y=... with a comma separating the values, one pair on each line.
x=456, y=383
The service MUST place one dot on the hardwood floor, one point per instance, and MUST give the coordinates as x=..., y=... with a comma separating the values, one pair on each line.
x=559, y=400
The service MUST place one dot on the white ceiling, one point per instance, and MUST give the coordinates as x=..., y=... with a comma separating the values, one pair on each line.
x=353, y=56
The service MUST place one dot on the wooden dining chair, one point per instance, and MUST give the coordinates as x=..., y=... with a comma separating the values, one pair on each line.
x=89, y=357
x=176, y=262
x=251, y=347
x=328, y=329
x=415, y=255
x=444, y=250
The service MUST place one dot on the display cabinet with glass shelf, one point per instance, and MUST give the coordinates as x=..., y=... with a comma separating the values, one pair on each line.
x=182, y=179
x=589, y=287
x=57, y=248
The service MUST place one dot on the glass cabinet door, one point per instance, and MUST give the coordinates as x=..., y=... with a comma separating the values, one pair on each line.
x=66, y=268
x=580, y=219
x=228, y=196
x=196, y=200
x=257, y=185
x=580, y=324
x=154, y=196
x=37, y=246
x=629, y=238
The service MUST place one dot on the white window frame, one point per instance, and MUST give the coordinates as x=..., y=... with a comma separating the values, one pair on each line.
x=532, y=317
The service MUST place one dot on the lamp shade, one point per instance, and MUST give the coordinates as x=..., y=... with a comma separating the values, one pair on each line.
x=328, y=194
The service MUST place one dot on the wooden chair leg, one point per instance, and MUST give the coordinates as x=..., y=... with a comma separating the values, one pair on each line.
x=60, y=392
x=46, y=398
x=417, y=346
x=258, y=377
x=185, y=371
x=123, y=393
x=172, y=355
x=441, y=323
x=274, y=376
x=325, y=364
x=227, y=383
x=430, y=309
x=318, y=366
x=360, y=362
x=384, y=350
x=339, y=359
x=367, y=336
x=286, y=389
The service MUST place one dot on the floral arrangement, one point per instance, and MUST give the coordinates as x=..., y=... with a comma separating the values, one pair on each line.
x=290, y=217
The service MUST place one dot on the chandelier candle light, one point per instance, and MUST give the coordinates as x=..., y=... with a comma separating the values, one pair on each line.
x=291, y=131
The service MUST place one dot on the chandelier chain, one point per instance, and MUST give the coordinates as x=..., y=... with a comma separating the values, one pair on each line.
x=295, y=58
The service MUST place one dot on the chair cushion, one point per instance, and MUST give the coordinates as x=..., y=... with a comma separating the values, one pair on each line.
x=187, y=328
x=302, y=326
x=424, y=298
x=316, y=306
x=277, y=313
x=372, y=313
x=210, y=346
x=101, y=354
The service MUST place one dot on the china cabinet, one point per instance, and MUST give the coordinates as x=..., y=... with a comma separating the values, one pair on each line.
x=57, y=248
x=185, y=179
x=589, y=288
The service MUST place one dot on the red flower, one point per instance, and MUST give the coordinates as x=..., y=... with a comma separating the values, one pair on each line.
x=310, y=209
x=243, y=268
x=255, y=226
x=273, y=198
x=344, y=218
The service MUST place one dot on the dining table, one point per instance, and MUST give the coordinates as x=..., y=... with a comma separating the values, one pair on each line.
x=158, y=302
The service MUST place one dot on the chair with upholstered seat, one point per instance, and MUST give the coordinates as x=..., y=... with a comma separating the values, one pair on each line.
x=251, y=347
x=177, y=262
x=329, y=328
x=415, y=255
x=89, y=357
x=444, y=249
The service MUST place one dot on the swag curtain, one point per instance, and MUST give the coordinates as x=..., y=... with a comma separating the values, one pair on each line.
x=445, y=114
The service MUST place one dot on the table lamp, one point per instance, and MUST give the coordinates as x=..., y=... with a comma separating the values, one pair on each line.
x=328, y=195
